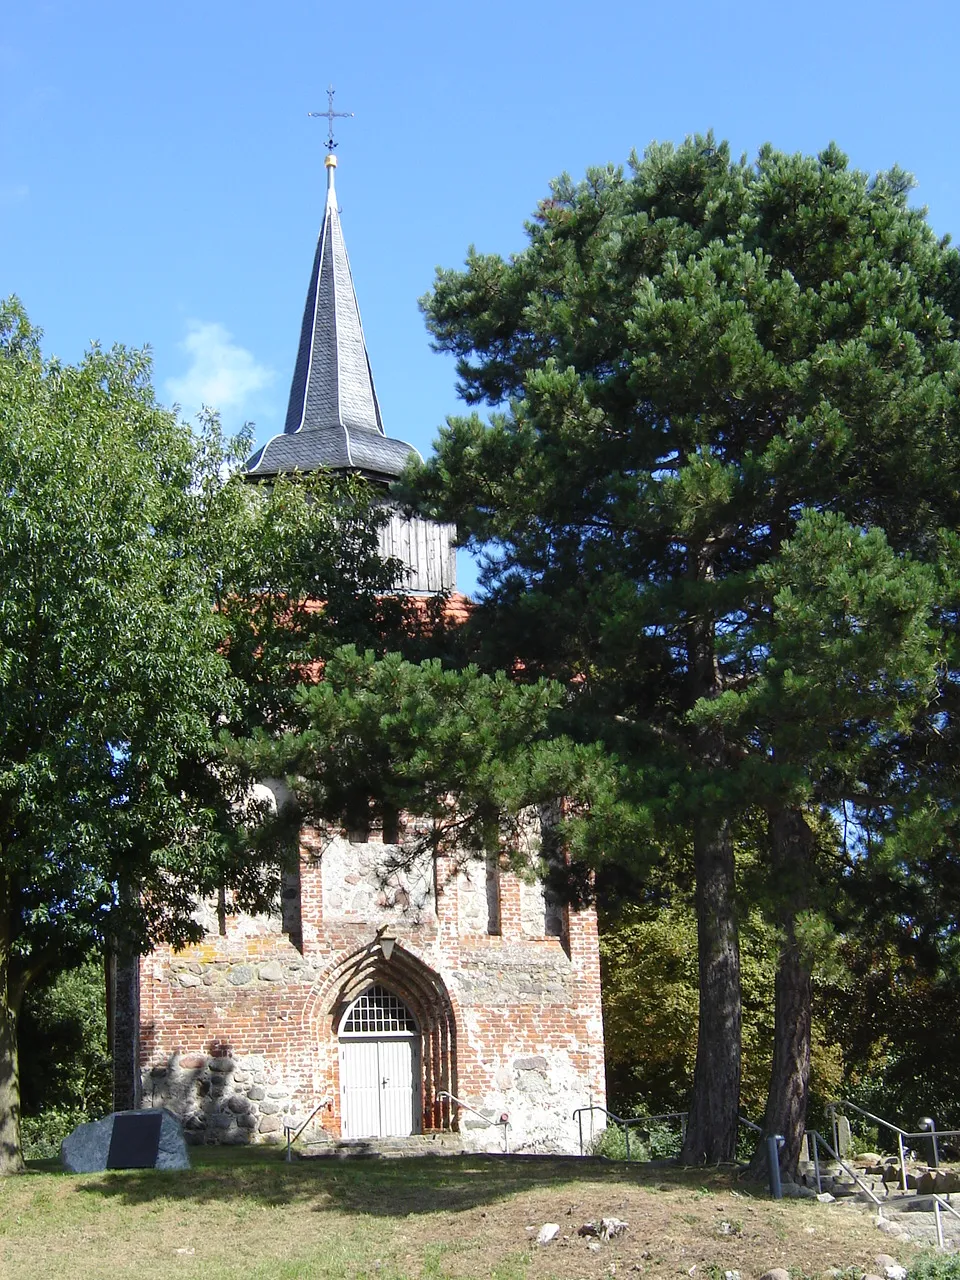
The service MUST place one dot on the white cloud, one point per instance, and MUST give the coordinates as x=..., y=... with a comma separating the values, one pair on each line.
x=221, y=375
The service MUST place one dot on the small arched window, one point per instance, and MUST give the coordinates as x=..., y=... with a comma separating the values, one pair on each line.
x=378, y=1012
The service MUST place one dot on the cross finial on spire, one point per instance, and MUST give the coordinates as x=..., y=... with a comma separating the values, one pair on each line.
x=330, y=115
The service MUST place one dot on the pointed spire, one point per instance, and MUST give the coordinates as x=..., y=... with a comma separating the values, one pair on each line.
x=332, y=382
x=333, y=415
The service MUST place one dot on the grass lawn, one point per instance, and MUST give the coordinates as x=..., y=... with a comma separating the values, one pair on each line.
x=248, y=1214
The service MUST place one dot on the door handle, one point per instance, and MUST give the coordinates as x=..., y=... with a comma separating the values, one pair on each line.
x=384, y=1082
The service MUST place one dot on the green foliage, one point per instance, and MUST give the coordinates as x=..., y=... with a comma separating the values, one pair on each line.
x=732, y=402
x=467, y=753
x=154, y=604
x=849, y=659
x=650, y=992
x=108, y=645
x=866, y=1137
x=42, y=1134
x=650, y=1005
x=716, y=489
x=65, y=1064
x=898, y=1025
x=649, y=984
x=658, y=1140
x=934, y=1266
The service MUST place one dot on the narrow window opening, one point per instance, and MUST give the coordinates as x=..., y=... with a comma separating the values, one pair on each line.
x=222, y=911
x=492, y=869
x=357, y=825
x=391, y=826
x=290, y=907
x=554, y=913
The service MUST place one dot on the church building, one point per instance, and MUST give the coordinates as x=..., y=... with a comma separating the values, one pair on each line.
x=453, y=1004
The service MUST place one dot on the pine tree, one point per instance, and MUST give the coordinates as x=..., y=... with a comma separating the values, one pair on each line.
x=468, y=755
x=689, y=365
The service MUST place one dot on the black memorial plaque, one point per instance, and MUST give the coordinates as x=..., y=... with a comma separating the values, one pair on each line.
x=135, y=1141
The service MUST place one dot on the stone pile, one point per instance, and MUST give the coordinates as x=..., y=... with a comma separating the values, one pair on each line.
x=888, y=1268
x=901, y=1215
x=604, y=1229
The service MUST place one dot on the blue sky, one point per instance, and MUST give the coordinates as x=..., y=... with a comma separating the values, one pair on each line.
x=162, y=185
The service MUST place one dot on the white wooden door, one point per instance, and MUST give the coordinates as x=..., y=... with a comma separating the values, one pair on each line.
x=377, y=1087
x=359, y=1089
x=396, y=1087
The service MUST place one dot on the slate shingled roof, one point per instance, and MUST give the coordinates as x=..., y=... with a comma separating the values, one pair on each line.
x=333, y=417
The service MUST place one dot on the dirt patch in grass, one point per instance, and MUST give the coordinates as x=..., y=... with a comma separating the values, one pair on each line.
x=255, y=1216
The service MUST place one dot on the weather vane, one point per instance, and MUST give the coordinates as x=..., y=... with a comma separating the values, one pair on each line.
x=330, y=115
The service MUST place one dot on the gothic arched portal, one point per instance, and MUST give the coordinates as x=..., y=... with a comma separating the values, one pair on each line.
x=402, y=1008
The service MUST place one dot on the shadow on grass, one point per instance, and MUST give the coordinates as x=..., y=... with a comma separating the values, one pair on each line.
x=384, y=1188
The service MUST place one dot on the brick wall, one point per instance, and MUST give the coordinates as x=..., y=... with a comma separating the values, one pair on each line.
x=241, y=1030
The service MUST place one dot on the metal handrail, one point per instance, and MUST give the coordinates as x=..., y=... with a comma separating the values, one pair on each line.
x=932, y=1133
x=938, y=1201
x=938, y=1204
x=504, y=1118
x=596, y=1106
x=625, y=1123
x=901, y=1133
x=818, y=1137
x=842, y=1102
x=289, y=1128
x=467, y=1107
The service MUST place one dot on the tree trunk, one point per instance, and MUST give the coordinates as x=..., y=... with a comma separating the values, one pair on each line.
x=711, y=1134
x=11, y=1155
x=792, y=868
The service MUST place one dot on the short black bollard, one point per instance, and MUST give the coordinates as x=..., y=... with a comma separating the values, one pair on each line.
x=774, y=1143
x=928, y=1125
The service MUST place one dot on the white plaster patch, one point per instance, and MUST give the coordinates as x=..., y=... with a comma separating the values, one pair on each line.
x=472, y=898
x=532, y=909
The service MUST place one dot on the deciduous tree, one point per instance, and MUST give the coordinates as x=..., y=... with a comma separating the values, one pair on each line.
x=151, y=601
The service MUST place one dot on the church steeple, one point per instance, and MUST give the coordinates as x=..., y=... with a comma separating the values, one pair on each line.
x=333, y=415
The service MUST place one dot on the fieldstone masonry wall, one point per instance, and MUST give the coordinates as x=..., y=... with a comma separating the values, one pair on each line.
x=241, y=1031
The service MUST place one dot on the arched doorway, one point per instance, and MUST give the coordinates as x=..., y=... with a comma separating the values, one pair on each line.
x=379, y=1066
x=422, y=991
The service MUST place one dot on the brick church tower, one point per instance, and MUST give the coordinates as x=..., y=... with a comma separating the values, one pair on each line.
x=437, y=1000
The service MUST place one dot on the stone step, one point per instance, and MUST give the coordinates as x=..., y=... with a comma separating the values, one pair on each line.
x=420, y=1144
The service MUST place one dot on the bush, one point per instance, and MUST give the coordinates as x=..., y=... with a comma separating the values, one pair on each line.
x=656, y=1141
x=935, y=1266
x=64, y=1063
x=866, y=1137
x=43, y=1134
